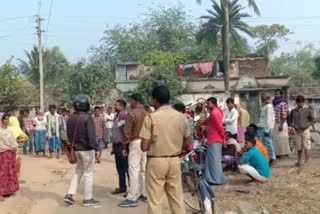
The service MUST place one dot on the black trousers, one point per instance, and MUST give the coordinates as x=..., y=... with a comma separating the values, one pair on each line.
x=121, y=165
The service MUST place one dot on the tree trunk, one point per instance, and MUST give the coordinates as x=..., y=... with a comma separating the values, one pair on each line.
x=226, y=45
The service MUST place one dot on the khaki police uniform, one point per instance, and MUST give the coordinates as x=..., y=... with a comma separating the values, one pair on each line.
x=166, y=130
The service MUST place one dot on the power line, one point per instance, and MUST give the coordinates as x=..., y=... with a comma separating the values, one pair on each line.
x=50, y=12
x=48, y=23
x=285, y=17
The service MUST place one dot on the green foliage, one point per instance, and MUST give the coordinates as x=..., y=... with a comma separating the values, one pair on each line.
x=164, y=59
x=161, y=75
x=90, y=78
x=55, y=65
x=251, y=3
x=162, y=29
x=268, y=36
x=169, y=29
x=212, y=30
x=55, y=69
x=62, y=80
x=299, y=66
x=316, y=73
x=14, y=90
x=162, y=66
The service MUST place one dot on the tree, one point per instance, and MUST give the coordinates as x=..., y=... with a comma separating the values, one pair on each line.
x=55, y=65
x=162, y=29
x=213, y=28
x=316, y=73
x=225, y=35
x=92, y=79
x=169, y=28
x=14, y=90
x=300, y=66
x=268, y=37
x=162, y=65
x=56, y=69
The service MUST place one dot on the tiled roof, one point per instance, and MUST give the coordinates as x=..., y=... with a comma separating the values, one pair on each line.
x=311, y=92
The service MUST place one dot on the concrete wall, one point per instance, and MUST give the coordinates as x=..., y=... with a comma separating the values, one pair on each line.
x=193, y=99
x=253, y=66
x=126, y=86
x=202, y=85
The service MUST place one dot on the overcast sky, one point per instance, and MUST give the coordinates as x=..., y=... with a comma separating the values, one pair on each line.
x=76, y=25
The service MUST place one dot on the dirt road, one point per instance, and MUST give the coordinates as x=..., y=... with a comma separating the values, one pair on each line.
x=46, y=183
x=289, y=191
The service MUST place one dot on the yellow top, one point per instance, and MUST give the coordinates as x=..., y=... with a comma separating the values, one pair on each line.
x=14, y=126
x=245, y=117
x=166, y=129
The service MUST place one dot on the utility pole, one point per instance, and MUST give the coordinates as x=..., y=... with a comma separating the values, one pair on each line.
x=226, y=45
x=39, y=34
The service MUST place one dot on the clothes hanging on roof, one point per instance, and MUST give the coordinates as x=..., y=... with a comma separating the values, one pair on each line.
x=206, y=68
x=196, y=68
x=179, y=70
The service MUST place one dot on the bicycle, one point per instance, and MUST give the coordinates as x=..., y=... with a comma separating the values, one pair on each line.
x=202, y=196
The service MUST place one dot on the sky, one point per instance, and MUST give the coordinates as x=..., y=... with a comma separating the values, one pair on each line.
x=77, y=25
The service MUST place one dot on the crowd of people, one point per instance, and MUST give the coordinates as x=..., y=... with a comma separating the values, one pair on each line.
x=147, y=141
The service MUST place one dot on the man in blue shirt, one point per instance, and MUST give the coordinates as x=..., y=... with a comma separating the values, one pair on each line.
x=253, y=163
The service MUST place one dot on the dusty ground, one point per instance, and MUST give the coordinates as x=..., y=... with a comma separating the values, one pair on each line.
x=290, y=190
x=46, y=183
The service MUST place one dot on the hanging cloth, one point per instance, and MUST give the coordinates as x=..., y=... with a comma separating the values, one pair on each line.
x=206, y=68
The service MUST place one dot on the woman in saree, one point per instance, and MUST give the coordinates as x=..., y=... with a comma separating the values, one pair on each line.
x=9, y=183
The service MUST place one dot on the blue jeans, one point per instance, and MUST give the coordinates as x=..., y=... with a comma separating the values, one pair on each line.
x=100, y=143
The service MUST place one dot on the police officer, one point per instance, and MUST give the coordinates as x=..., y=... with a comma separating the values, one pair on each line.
x=164, y=133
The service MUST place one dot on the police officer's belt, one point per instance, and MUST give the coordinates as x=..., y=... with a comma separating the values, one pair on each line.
x=164, y=156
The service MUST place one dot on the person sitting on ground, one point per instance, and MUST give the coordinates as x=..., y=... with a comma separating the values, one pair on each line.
x=253, y=163
x=253, y=128
x=230, y=152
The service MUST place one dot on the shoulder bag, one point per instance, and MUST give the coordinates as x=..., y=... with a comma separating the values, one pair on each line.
x=70, y=149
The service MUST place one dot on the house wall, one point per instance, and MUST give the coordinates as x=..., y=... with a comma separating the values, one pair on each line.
x=253, y=66
x=198, y=85
x=273, y=82
x=126, y=86
x=194, y=98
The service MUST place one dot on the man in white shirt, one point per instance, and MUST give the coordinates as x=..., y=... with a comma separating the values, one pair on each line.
x=230, y=119
x=266, y=125
x=109, y=117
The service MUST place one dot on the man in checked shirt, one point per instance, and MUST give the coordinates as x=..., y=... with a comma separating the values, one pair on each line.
x=100, y=129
